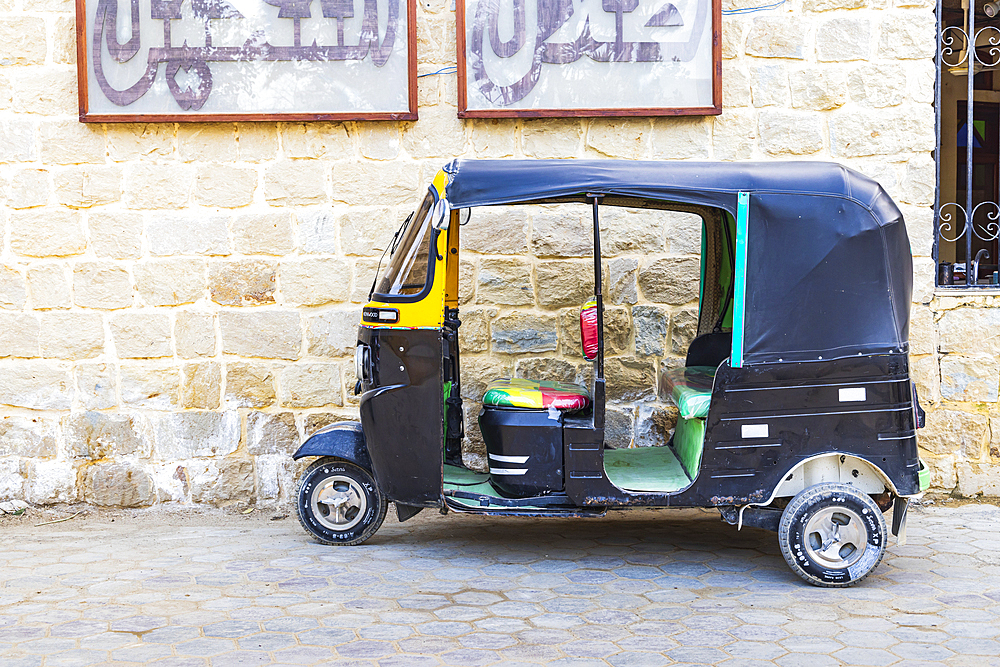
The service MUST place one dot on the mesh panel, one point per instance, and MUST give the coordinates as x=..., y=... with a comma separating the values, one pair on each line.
x=711, y=290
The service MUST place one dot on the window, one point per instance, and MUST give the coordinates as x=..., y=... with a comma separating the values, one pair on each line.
x=409, y=263
x=968, y=151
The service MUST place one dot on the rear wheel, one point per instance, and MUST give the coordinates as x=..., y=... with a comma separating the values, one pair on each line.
x=832, y=535
x=338, y=502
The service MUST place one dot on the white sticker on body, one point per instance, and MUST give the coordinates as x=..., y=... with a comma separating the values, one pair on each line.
x=509, y=459
x=851, y=394
x=755, y=431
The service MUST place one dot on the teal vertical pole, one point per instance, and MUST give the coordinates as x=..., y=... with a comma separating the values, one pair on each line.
x=740, y=291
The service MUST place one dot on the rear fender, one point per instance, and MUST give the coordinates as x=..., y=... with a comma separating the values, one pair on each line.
x=343, y=440
x=829, y=467
x=834, y=467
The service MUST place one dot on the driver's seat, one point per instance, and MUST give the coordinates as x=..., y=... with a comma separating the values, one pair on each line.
x=536, y=395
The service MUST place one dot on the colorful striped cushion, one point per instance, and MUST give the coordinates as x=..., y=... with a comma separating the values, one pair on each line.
x=535, y=395
x=691, y=389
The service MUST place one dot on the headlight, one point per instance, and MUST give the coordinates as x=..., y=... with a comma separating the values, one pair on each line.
x=362, y=361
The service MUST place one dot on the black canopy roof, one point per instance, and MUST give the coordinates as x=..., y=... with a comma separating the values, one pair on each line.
x=829, y=268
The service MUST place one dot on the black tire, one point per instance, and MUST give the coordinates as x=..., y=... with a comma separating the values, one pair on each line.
x=820, y=518
x=354, y=508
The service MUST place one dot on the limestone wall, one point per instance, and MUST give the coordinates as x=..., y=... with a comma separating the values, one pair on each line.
x=179, y=301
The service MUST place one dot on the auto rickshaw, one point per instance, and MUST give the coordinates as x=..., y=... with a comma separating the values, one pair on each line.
x=797, y=411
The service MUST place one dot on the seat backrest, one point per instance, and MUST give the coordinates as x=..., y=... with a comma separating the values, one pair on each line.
x=710, y=349
x=588, y=329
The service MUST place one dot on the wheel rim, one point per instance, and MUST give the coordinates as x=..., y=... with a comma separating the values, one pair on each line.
x=339, y=503
x=835, y=537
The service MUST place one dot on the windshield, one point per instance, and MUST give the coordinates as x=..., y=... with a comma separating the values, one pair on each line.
x=406, y=272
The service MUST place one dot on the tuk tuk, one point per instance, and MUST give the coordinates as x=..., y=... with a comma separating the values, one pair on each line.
x=797, y=411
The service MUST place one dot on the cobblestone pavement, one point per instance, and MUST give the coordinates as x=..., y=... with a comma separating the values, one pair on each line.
x=635, y=589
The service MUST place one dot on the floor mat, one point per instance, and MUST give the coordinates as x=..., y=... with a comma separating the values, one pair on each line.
x=645, y=469
x=457, y=476
x=470, y=481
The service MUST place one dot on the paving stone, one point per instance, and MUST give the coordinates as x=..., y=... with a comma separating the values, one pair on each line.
x=144, y=653
x=171, y=635
x=972, y=646
x=702, y=638
x=266, y=641
x=639, y=659
x=138, y=624
x=806, y=660
x=407, y=661
x=385, y=631
x=325, y=637
x=914, y=651
x=20, y=633
x=969, y=629
x=47, y=645
x=864, y=656
x=21, y=661
x=241, y=659
x=303, y=655
x=289, y=624
x=78, y=629
x=365, y=649
x=231, y=629
x=696, y=655
x=431, y=645
x=470, y=658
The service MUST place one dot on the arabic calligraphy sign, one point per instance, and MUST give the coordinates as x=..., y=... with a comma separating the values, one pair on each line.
x=589, y=57
x=189, y=60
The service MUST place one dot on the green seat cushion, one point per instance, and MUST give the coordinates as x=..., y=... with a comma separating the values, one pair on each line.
x=691, y=389
x=689, y=442
x=535, y=395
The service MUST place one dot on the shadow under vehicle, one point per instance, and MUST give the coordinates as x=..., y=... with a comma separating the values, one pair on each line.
x=797, y=411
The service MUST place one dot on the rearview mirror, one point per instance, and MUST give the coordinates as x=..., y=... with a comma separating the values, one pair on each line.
x=439, y=215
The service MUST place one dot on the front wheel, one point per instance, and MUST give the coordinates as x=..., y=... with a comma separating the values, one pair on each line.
x=832, y=535
x=338, y=502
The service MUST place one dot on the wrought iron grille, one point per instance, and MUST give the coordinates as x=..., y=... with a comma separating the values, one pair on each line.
x=967, y=101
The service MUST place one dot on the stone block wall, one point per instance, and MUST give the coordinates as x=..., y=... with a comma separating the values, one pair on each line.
x=178, y=302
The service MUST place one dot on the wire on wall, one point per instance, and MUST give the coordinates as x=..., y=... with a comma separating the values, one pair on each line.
x=451, y=69
x=751, y=10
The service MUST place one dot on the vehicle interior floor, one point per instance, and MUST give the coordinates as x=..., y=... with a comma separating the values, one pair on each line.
x=649, y=469
x=462, y=479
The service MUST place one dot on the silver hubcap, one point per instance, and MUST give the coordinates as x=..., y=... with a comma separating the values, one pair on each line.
x=835, y=538
x=339, y=502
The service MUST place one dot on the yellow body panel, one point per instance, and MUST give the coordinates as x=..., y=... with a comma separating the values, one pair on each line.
x=451, y=260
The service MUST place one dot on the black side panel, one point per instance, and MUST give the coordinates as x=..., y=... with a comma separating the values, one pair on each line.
x=345, y=440
x=586, y=481
x=767, y=418
x=402, y=414
x=531, y=435
x=764, y=420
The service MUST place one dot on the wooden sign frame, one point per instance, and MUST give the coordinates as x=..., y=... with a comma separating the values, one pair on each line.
x=178, y=77
x=551, y=16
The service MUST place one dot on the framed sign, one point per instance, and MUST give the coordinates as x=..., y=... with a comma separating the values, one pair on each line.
x=223, y=60
x=535, y=58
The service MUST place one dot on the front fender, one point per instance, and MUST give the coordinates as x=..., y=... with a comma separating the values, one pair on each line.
x=344, y=440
